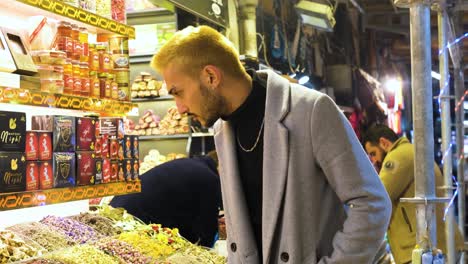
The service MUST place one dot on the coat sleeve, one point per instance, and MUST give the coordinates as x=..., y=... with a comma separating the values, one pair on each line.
x=354, y=180
x=395, y=177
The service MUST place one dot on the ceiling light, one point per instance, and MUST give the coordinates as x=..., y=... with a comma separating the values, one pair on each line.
x=393, y=84
x=316, y=14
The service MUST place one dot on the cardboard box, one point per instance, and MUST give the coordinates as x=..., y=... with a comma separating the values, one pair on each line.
x=12, y=172
x=114, y=170
x=20, y=52
x=86, y=133
x=127, y=169
x=85, y=167
x=105, y=146
x=106, y=170
x=45, y=175
x=113, y=148
x=32, y=145
x=64, y=169
x=98, y=147
x=135, y=147
x=64, y=134
x=98, y=171
x=7, y=64
x=135, y=169
x=32, y=175
x=62, y=128
x=45, y=145
x=126, y=144
x=12, y=131
x=121, y=174
x=112, y=126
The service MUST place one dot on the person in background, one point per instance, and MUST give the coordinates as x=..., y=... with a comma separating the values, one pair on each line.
x=393, y=158
x=182, y=193
x=289, y=160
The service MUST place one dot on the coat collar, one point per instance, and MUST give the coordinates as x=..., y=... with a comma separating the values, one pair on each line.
x=275, y=166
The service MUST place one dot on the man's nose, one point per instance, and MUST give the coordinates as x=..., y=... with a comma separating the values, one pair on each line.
x=181, y=107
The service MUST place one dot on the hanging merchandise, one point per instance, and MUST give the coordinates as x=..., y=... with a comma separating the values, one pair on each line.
x=103, y=8
x=118, y=11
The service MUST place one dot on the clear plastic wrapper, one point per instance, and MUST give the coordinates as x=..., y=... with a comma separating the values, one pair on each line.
x=49, y=57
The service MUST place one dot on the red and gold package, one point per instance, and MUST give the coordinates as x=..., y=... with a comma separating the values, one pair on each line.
x=85, y=168
x=114, y=148
x=121, y=175
x=98, y=147
x=127, y=169
x=45, y=145
x=98, y=171
x=105, y=146
x=135, y=169
x=135, y=147
x=45, y=175
x=85, y=133
x=32, y=175
x=32, y=150
x=114, y=170
x=106, y=170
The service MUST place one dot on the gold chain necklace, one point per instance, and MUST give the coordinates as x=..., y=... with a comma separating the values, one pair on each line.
x=256, y=141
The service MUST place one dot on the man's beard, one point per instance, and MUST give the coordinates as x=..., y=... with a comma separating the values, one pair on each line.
x=212, y=106
x=379, y=164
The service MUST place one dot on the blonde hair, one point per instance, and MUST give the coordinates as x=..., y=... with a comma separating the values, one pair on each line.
x=193, y=48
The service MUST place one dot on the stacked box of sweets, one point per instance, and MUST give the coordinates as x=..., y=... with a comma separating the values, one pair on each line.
x=76, y=147
x=57, y=139
x=119, y=152
x=12, y=156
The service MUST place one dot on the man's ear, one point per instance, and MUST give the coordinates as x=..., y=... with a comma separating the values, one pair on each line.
x=385, y=143
x=211, y=76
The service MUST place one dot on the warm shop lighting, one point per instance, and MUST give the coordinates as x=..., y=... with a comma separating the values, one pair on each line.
x=316, y=14
x=393, y=84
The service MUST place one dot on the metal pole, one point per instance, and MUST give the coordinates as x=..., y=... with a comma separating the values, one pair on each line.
x=442, y=22
x=458, y=78
x=248, y=27
x=421, y=84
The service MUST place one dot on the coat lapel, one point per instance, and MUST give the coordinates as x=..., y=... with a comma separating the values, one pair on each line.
x=275, y=157
x=234, y=199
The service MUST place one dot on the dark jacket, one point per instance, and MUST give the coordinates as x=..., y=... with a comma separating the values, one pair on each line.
x=183, y=193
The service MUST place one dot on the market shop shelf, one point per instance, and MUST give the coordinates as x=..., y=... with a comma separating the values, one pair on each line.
x=163, y=137
x=17, y=200
x=153, y=99
x=62, y=11
x=106, y=107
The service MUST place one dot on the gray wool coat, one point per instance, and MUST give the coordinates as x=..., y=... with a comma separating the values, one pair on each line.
x=314, y=168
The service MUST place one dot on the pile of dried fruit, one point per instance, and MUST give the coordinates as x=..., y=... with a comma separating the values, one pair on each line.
x=43, y=235
x=77, y=231
x=13, y=248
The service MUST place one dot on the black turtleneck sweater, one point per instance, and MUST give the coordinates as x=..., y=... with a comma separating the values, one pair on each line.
x=247, y=124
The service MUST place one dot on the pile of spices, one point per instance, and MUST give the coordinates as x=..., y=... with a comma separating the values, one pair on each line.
x=122, y=250
x=83, y=254
x=77, y=231
x=45, y=236
x=101, y=224
x=14, y=248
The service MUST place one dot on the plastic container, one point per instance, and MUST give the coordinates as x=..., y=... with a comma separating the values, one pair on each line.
x=50, y=72
x=68, y=77
x=49, y=57
x=77, y=47
x=83, y=36
x=84, y=69
x=52, y=86
x=105, y=60
x=93, y=58
x=64, y=38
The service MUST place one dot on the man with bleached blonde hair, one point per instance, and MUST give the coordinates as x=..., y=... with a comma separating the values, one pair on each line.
x=289, y=160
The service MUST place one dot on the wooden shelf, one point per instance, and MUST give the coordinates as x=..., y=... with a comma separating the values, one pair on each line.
x=13, y=94
x=153, y=99
x=61, y=11
x=17, y=200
